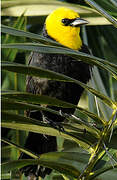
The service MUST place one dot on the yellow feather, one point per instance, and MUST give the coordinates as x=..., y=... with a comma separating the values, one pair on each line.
x=66, y=35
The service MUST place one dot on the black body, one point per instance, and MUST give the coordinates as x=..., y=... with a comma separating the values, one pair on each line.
x=69, y=92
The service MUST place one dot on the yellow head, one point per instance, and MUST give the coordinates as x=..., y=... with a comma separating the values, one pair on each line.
x=63, y=25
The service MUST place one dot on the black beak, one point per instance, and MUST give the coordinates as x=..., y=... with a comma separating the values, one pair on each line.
x=78, y=22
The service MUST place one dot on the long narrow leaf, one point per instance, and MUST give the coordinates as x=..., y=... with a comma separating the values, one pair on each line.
x=102, y=12
x=89, y=139
x=102, y=170
x=12, y=104
x=19, y=148
x=10, y=117
x=14, y=121
x=37, y=99
x=60, y=50
x=21, y=33
x=30, y=70
x=46, y=100
x=65, y=162
x=49, y=131
x=44, y=40
x=19, y=24
x=15, y=118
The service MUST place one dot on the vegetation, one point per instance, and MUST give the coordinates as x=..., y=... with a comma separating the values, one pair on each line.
x=87, y=149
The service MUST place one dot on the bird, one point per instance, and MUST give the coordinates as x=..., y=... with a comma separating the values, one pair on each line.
x=63, y=26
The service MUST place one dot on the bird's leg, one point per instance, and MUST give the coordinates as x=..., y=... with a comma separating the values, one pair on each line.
x=54, y=124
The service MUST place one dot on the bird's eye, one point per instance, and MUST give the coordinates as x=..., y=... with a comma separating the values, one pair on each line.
x=66, y=21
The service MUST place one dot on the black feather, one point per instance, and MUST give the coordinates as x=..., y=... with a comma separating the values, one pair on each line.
x=69, y=92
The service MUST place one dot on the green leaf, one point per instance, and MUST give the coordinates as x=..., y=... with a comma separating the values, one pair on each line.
x=94, y=5
x=28, y=124
x=68, y=163
x=11, y=104
x=30, y=70
x=21, y=33
x=37, y=99
x=19, y=148
x=6, y=176
x=91, y=115
x=98, y=84
x=43, y=8
x=12, y=117
x=103, y=170
x=60, y=50
x=11, y=53
x=84, y=57
x=84, y=126
x=15, y=121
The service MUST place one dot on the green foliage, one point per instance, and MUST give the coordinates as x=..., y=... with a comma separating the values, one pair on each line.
x=93, y=132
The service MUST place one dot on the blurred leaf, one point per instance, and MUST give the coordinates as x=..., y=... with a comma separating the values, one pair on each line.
x=103, y=170
x=94, y=5
x=96, y=78
x=11, y=53
x=6, y=176
x=109, y=6
x=112, y=143
x=43, y=8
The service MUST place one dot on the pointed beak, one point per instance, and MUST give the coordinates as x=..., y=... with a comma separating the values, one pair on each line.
x=78, y=22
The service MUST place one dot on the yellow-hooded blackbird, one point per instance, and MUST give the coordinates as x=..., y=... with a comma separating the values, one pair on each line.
x=63, y=26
